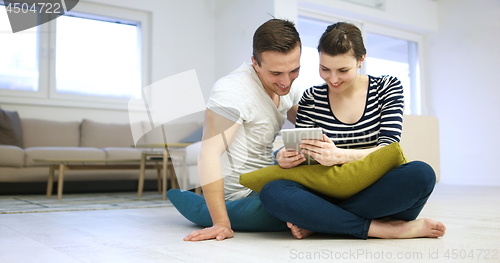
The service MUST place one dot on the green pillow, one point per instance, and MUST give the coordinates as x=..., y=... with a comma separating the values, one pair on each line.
x=339, y=181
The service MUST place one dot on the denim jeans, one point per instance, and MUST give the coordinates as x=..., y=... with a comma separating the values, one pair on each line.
x=399, y=194
x=246, y=214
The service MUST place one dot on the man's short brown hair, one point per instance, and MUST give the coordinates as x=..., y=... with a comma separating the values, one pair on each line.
x=275, y=35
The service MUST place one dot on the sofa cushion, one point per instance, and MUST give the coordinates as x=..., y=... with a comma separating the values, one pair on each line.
x=85, y=153
x=101, y=135
x=44, y=133
x=11, y=130
x=114, y=153
x=174, y=132
x=11, y=156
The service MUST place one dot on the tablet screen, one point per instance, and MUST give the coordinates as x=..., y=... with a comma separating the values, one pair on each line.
x=293, y=137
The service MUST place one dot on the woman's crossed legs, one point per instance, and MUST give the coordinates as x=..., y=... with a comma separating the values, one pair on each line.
x=386, y=209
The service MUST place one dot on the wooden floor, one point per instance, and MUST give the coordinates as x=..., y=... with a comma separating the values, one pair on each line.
x=471, y=214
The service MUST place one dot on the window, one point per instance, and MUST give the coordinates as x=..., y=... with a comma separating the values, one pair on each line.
x=310, y=31
x=106, y=66
x=389, y=52
x=94, y=56
x=396, y=53
x=391, y=56
x=18, y=58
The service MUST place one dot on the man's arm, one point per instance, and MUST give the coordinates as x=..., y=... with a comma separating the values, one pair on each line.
x=291, y=115
x=214, y=144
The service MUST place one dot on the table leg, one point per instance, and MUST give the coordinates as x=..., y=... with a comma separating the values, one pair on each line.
x=50, y=181
x=173, y=181
x=184, y=173
x=158, y=172
x=164, y=188
x=60, y=181
x=141, y=175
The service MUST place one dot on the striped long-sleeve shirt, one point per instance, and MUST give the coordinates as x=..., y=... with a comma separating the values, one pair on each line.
x=381, y=123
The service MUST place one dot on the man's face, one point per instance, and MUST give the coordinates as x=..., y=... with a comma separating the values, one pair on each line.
x=277, y=71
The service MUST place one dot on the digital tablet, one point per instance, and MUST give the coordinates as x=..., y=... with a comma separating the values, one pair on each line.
x=293, y=137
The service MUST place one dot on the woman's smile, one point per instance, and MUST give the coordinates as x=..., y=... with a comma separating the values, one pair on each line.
x=336, y=85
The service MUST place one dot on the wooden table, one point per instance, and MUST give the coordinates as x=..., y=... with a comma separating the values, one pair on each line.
x=97, y=164
x=177, y=150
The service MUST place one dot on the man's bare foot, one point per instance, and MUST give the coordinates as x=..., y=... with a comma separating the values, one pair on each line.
x=298, y=232
x=406, y=229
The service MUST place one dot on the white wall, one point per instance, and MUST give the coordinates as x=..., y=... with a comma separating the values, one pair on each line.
x=235, y=24
x=415, y=15
x=182, y=39
x=462, y=78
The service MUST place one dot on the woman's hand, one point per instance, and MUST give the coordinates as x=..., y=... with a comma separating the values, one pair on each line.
x=289, y=159
x=324, y=152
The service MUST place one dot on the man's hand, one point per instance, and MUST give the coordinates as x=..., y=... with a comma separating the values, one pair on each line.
x=289, y=159
x=218, y=232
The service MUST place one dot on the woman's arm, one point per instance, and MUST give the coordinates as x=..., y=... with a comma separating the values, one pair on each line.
x=391, y=123
x=304, y=111
x=326, y=153
x=391, y=112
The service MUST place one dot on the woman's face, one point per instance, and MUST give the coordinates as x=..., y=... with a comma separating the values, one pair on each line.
x=340, y=71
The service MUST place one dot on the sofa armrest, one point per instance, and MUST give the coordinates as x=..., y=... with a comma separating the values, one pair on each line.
x=11, y=156
x=420, y=140
x=192, y=152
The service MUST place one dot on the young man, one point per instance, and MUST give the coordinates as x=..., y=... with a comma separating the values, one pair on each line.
x=245, y=112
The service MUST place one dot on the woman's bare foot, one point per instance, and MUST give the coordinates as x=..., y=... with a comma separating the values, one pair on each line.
x=298, y=232
x=406, y=229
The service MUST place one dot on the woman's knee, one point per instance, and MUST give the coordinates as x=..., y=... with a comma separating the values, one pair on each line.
x=277, y=191
x=422, y=173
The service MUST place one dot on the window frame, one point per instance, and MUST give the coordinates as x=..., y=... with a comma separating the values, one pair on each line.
x=416, y=97
x=46, y=52
x=8, y=95
x=415, y=94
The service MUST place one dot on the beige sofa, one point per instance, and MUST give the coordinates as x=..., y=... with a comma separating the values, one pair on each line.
x=87, y=139
x=419, y=141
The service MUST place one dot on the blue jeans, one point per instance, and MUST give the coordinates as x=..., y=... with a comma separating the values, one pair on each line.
x=246, y=214
x=399, y=194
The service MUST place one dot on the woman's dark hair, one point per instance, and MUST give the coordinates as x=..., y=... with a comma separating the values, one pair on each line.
x=275, y=35
x=340, y=38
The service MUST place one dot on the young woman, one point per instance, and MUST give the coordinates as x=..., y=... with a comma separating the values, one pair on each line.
x=358, y=114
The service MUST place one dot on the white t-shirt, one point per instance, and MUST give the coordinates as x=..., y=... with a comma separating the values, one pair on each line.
x=241, y=97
